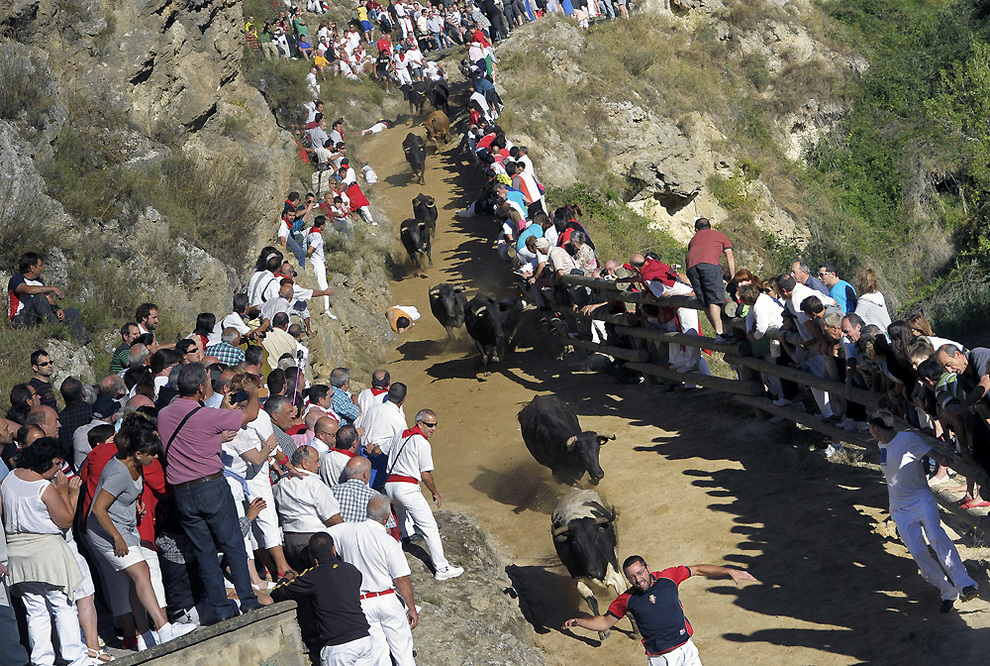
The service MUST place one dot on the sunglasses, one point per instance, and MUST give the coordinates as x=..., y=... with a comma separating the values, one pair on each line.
x=45, y=364
x=429, y=425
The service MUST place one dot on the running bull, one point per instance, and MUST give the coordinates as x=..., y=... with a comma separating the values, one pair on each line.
x=415, y=150
x=492, y=325
x=448, y=304
x=553, y=435
x=425, y=210
x=583, y=529
x=415, y=237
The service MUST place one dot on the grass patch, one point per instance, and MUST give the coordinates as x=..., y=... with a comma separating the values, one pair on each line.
x=617, y=230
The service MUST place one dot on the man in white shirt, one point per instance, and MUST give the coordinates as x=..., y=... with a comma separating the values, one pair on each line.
x=344, y=447
x=410, y=461
x=913, y=508
x=375, y=394
x=385, y=420
x=305, y=506
x=315, y=253
x=385, y=579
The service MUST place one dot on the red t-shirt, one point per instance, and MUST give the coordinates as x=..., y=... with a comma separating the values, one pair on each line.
x=657, y=270
x=706, y=247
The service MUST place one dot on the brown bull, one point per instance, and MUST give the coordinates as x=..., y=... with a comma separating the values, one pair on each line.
x=437, y=127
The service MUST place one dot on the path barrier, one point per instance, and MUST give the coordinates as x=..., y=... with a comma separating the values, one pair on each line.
x=747, y=388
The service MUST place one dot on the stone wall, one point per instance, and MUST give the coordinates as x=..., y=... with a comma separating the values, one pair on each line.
x=266, y=637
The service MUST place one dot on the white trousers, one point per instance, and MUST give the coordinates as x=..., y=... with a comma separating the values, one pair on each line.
x=816, y=363
x=924, y=516
x=402, y=75
x=409, y=501
x=42, y=601
x=685, y=655
x=320, y=269
x=389, y=629
x=361, y=652
x=265, y=526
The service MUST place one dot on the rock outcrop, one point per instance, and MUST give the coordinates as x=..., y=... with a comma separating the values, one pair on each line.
x=158, y=80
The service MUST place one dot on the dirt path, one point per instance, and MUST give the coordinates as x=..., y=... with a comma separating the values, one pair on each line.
x=694, y=479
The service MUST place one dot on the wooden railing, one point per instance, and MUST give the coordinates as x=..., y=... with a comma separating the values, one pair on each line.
x=747, y=388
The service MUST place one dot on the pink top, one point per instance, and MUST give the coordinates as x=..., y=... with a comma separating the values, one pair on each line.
x=195, y=452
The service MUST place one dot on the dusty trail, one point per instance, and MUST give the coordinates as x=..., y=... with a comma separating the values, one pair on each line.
x=694, y=479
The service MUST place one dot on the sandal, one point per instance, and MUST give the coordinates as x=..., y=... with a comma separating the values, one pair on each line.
x=974, y=503
x=100, y=656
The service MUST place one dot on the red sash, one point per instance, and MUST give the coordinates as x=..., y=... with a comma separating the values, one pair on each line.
x=398, y=478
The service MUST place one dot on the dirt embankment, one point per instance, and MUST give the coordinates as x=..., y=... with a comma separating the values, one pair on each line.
x=695, y=479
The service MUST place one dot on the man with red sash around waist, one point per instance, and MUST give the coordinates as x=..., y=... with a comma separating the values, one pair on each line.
x=410, y=460
x=656, y=606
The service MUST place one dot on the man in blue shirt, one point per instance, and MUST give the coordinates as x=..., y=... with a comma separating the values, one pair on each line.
x=343, y=404
x=840, y=290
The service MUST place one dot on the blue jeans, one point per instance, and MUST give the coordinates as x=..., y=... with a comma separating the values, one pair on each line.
x=208, y=516
x=295, y=247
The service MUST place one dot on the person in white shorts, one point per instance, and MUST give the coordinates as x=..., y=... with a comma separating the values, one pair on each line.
x=410, y=461
x=111, y=529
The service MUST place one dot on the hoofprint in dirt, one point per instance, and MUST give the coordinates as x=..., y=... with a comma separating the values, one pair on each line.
x=694, y=478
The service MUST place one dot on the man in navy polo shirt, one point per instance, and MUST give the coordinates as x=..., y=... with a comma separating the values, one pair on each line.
x=656, y=607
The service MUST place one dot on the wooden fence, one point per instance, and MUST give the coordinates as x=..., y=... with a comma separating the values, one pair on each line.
x=747, y=388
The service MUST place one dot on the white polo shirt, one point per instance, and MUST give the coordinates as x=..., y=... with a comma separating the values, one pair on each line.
x=376, y=555
x=367, y=398
x=381, y=423
x=332, y=466
x=409, y=456
x=304, y=504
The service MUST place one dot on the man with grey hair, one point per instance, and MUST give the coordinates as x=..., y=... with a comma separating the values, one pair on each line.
x=305, y=506
x=226, y=350
x=385, y=579
x=801, y=272
x=410, y=461
x=137, y=356
x=279, y=409
x=343, y=404
x=277, y=341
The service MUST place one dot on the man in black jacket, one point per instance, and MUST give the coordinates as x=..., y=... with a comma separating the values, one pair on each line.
x=333, y=588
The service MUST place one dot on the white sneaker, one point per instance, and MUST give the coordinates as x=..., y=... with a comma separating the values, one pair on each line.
x=830, y=450
x=448, y=572
x=330, y=314
x=174, y=630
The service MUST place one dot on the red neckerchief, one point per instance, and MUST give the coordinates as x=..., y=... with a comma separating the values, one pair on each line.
x=346, y=452
x=378, y=391
x=413, y=431
x=315, y=230
x=479, y=36
x=295, y=430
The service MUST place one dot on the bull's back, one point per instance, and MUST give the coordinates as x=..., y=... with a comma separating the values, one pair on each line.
x=546, y=428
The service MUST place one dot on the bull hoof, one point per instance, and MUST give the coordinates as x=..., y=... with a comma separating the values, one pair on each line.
x=602, y=635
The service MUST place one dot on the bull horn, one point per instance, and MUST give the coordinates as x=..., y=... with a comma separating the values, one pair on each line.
x=435, y=291
x=571, y=441
x=557, y=531
x=605, y=438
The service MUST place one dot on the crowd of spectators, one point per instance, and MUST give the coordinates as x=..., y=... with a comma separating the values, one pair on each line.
x=185, y=487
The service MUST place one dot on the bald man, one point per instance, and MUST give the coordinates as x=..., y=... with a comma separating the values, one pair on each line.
x=354, y=493
x=324, y=431
x=45, y=418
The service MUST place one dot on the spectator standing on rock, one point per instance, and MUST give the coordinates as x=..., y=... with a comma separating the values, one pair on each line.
x=704, y=269
x=317, y=256
x=913, y=509
x=33, y=302
x=77, y=411
x=128, y=333
x=801, y=272
x=654, y=602
x=43, y=367
x=410, y=462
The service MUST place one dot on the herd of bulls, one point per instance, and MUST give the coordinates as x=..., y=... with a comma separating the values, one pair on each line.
x=582, y=524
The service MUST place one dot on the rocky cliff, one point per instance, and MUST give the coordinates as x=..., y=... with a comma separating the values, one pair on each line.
x=131, y=128
x=692, y=108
